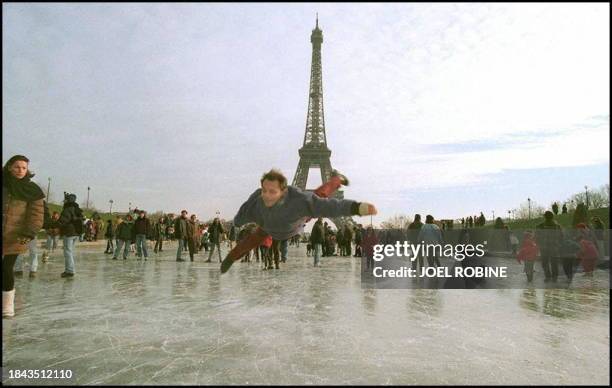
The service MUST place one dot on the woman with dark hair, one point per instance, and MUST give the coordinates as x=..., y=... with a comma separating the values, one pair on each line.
x=22, y=217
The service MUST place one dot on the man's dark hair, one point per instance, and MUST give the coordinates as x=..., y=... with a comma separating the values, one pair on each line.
x=429, y=219
x=275, y=175
x=417, y=217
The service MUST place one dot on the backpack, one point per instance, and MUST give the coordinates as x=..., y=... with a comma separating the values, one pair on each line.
x=77, y=222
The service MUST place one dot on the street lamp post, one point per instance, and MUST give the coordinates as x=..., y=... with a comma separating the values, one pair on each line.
x=529, y=201
x=509, y=218
x=48, y=188
x=111, y=207
x=87, y=205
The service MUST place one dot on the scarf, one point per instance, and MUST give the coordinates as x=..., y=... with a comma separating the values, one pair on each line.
x=22, y=189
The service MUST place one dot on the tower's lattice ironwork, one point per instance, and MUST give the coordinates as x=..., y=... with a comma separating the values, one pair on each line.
x=314, y=152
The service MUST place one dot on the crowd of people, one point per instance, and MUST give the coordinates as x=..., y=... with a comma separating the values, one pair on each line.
x=473, y=221
x=581, y=246
x=25, y=213
x=549, y=243
x=253, y=235
x=133, y=233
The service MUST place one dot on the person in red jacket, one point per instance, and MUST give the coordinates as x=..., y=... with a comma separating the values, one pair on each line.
x=588, y=253
x=367, y=244
x=528, y=253
x=266, y=252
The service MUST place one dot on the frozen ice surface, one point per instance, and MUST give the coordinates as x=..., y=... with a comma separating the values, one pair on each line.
x=163, y=322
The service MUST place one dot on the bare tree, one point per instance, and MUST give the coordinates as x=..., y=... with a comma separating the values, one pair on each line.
x=536, y=210
x=399, y=221
x=600, y=197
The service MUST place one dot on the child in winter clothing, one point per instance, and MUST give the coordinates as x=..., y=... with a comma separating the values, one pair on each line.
x=588, y=253
x=528, y=253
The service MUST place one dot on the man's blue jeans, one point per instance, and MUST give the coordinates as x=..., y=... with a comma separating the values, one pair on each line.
x=212, y=249
x=69, y=243
x=33, y=258
x=284, y=247
x=141, y=245
x=318, y=249
x=181, y=248
x=52, y=242
x=126, y=250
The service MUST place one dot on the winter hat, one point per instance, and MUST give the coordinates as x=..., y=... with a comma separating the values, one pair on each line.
x=69, y=197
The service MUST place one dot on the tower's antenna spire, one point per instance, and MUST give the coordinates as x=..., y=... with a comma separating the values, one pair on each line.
x=317, y=20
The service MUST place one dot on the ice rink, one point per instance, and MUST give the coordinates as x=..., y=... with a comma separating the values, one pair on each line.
x=163, y=322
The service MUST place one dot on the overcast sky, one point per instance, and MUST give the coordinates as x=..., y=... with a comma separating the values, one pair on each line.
x=448, y=109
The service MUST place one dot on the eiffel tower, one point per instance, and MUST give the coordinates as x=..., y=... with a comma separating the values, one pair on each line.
x=314, y=151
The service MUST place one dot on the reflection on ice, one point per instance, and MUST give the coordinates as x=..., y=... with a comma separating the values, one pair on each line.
x=163, y=322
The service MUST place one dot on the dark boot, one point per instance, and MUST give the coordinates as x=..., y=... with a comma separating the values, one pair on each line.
x=226, y=264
